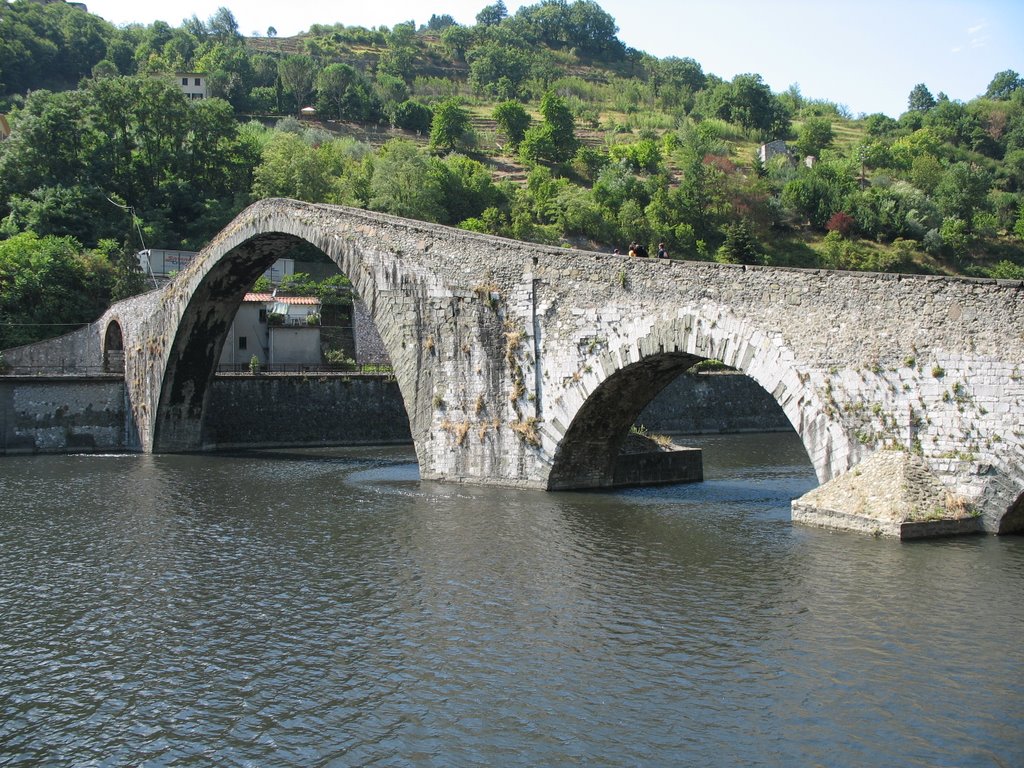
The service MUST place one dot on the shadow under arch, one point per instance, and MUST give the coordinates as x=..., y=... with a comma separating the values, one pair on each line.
x=1013, y=520
x=113, y=348
x=590, y=447
x=613, y=395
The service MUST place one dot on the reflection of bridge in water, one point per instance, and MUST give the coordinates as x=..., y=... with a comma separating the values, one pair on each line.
x=525, y=365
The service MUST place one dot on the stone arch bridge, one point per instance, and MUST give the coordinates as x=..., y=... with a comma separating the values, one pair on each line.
x=525, y=365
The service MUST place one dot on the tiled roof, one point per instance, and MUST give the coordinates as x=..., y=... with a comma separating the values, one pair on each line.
x=266, y=298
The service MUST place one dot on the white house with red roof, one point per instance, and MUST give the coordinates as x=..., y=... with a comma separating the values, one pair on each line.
x=279, y=331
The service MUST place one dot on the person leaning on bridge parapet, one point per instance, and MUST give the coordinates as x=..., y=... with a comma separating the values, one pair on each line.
x=662, y=253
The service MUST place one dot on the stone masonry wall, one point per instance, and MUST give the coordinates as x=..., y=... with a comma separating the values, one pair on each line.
x=62, y=415
x=713, y=402
x=263, y=411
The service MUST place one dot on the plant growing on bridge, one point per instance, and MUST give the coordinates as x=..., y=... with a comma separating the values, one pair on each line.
x=488, y=293
x=526, y=430
x=254, y=365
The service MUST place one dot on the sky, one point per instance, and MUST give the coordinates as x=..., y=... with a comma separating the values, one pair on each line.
x=864, y=54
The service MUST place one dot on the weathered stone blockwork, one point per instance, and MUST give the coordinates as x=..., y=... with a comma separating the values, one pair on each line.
x=524, y=365
x=40, y=415
x=273, y=411
x=697, y=403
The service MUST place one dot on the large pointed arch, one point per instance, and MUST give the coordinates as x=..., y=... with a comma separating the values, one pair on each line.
x=206, y=297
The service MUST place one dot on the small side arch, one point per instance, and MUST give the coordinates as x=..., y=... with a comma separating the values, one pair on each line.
x=113, y=348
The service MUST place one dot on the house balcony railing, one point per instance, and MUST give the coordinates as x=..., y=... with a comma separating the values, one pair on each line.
x=293, y=322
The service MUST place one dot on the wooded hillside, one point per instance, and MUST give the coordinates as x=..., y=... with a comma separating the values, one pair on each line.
x=541, y=125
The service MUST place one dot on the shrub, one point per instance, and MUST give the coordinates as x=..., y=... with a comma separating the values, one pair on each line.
x=339, y=358
x=840, y=222
x=1003, y=270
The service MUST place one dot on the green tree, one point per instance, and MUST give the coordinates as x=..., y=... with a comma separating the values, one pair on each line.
x=403, y=183
x=399, y=58
x=926, y=172
x=953, y=123
x=1003, y=85
x=412, y=116
x=740, y=246
x=229, y=71
x=51, y=46
x=223, y=27
x=135, y=140
x=48, y=284
x=457, y=40
x=817, y=193
x=290, y=167
x=814, y=135
x=555, y=139
x=466, y=188
x=880, y=125
x=439, y=23
x=748, y=102
x=677, y=80
x=492, y=15
x=956, y=237
x=639, y=156
x=499, y=70
x=513, y=120
x=450, y=126
x=920, y=99
x=700, y=201
x=962, y=192
x=334, y=88
x=298, y=74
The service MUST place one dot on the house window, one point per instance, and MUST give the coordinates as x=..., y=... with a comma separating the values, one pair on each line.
x=243, y=342
x=197, y=81
x=263, y=315
x=184, y=81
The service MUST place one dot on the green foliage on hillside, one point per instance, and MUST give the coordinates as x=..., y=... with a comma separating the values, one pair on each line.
x=539, y=125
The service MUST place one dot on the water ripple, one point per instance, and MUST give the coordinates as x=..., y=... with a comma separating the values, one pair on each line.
x=326, y=608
